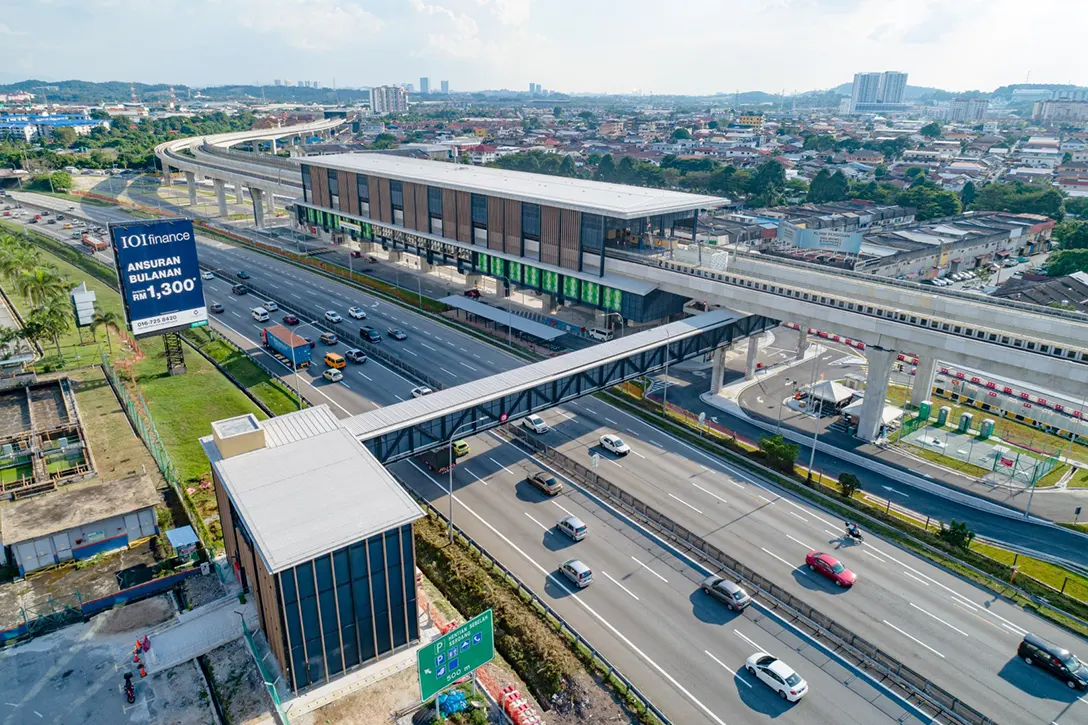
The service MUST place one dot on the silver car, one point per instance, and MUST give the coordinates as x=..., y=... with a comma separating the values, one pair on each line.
x=573, y=527
x=728, y=592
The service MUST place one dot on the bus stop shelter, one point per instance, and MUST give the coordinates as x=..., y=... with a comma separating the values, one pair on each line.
x=504, y=318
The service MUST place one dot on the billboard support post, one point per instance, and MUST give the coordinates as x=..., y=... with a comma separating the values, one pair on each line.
x=175, y=353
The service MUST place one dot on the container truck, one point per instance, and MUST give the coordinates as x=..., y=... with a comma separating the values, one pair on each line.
x=439, y=459
x=290, y=349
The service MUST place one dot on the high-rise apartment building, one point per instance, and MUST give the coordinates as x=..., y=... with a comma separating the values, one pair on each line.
x=968, y=109
x=865, y=90
x=388, y=99
x=876, y=92
x=445, y=86
x=1056, y=111
x=424, y=85
x=278, y=82
x=893, y=86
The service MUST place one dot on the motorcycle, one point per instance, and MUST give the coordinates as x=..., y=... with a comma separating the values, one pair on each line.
x=130, y=690
x=854, y=533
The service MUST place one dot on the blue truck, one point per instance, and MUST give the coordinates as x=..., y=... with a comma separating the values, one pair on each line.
x=290, y=349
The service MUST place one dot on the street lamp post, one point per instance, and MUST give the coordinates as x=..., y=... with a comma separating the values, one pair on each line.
x=816, y=420
x=623, y=324
x=778, y=424
x=456, y=430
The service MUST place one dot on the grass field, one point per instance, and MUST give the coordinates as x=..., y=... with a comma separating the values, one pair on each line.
x=1053, y=576
x=277, y=397
x=1080, y=479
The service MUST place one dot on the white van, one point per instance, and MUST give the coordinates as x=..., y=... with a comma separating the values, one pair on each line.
x=260, y=314
x=598, y=333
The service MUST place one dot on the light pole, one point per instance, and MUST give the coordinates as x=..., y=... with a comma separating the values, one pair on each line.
x=778, y=424
x=294, y=362
x=456, y=430
x=623, y=325
x=816, y=420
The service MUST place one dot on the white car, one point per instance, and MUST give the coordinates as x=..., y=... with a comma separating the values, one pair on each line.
x=421, y=391
x=614, y=444
x=535, y=423
x=207, y=275
x=357, y=312
x=777, y=675
x=333, y=316
x=270, y=306
x=333, y=375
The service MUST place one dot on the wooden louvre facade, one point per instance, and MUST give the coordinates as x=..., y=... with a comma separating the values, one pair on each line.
x=549, y=235
x=349, y=193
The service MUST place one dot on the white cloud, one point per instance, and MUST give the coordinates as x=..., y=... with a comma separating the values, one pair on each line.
x=511, y=12
x=6, y=30
x=310, y=25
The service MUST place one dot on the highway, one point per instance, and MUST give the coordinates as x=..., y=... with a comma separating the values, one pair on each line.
x=945, y=628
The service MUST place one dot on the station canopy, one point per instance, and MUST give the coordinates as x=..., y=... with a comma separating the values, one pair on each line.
x=502, y=317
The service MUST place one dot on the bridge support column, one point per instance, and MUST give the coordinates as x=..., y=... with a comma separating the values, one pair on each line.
x=424, y=266
x=753, y=353
x=258, y=207
x=190, y=180
x=549, y=303
x=221, y=195
x=272, y=146
x=718, y=371
x=394, y=257
x=802, y=343
x=473, y=280
x=271, y=203
x=239, y=196
x=876, y=391
x=167, y=179
x=923, y=380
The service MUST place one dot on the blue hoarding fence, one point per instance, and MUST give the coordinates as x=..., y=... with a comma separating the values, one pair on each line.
x=159, y=275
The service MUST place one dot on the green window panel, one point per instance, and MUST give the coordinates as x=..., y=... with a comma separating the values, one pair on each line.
x=515, y=272
x=570, y=287
x=532, y=277
x=497, y=267
x=551, y=282
x=591, y=292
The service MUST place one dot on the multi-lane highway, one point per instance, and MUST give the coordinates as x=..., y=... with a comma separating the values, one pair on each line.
x=679, y=651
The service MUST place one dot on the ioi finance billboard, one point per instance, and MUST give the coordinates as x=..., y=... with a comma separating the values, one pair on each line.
x=827, y=239
x=159, y=275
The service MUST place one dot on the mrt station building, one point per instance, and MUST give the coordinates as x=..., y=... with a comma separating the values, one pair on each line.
x=531, y=231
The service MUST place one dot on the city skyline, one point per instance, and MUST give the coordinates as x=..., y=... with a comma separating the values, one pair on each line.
x=494, y=44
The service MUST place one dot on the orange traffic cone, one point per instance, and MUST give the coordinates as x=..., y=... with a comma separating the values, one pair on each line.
x=136, y=658
x=143, y=672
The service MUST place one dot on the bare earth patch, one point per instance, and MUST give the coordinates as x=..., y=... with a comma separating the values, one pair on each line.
x=134, y=617
x=238, y=683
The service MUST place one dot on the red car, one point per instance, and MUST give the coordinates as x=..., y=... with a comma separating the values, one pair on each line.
x=472, y=293
x=830, y=567
x=290, y=319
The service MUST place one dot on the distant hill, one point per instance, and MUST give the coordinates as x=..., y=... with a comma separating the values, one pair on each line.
x=75, y=91
x=1007, y=91
x=918, y=93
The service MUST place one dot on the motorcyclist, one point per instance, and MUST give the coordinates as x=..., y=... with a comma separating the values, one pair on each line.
x=853, y=530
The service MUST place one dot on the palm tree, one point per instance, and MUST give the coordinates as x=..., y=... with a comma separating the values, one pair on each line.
x=109, y=320
x=41, y=284
x=51, y=319
x=15, y=257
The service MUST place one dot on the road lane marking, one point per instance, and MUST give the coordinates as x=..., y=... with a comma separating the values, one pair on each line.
x=650, y=570
x=614, y=423
x=345, y=385
x=536, y=522
x=636, y=435
x=432, y=349
x=655, y=444
x=727, y=668
x=685, y=503
x=633, y=596
x=448, y=372
x=921, y=581
x=934, y=616
x=470, y=367
x=589, y=410
x=863, y=551
x=476, y=356
x=737, y=632
x=638, y=454
x=398, y=397
x=706, y=491
x=910, y=636
x=766, y=499
x=797, y=517
x=410, y=352
x=836, y=534
x=500, y=465
x=563, y=509
x=791, y=566
x=617, y=465
x=476, y=477
x=810, y=548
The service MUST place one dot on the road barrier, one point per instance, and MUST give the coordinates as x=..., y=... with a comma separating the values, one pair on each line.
x=865, y=655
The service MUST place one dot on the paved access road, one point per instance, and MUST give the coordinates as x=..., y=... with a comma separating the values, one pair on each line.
x=945, y=628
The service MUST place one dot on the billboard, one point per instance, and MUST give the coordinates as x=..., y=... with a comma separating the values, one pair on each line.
x=826, y=239
x=159, y=275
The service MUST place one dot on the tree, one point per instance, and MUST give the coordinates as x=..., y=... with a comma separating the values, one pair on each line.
x=779, y=453
x=931, y=130
x=1071, y=234
x=914, y=172
x=557, y=111
x=1067, y=261
x=1078, y=206
x=109, y=320
x=40, y=285
x=586, y=115
x=770, y=176
x=827, y=187
x=681, y=133
x=880, y=171
x=64, y=136
x=849, y=484
x=50, y=320
x=606, y=169
x=1019, y=198
x=62, y=180
x=929, y=201
x=712, y=124
x=967, y=194
x=958, y=535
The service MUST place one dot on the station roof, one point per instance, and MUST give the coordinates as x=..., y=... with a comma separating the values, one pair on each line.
x=592, y=197
x=521, y=324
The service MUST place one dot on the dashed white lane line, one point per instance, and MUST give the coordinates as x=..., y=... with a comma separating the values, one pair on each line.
x=470, y=367
x=765, y=551
x=920, y=581
x=476, y=477
x=912, y=637
x=345, y=385
x=685, y=503
x=609, y=420
x=432, y=349
x=934, y=616
x=500, y=465
x=633, y=595
x=536, y=522
x=655, y=444
x=727, y=669
x=797, y=517
x=650, y=570
x=833, y=533
x=447, y=372
x=617, y=465
x=638, y=454
x=868, y=553
x=398, y=397
x=766, y=499
x=476, y=356
x=799, y=542
x=410, y=352
x=736, y=632
x=709, y=492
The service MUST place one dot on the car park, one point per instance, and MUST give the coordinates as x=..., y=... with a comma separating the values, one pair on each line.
x=546, y=482
x=207, y=275
x=397, y=334
x=216, y=308
x=727, y=592
x=573, y=527
x=535, y=423
x=290, y=319
x=420, y=391
x=576, y=570
x=333, y=317
x=1058, y=661
x=370, y=334
x=333, y=375
x=329, y=338
x=777, y=675
x=614, y=444
x=830, y=567
x=357, y=312
x=355, y=356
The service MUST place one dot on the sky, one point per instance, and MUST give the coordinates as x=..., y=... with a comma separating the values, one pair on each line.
x=576, y=46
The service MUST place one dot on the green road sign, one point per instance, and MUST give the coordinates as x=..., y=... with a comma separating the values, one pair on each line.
x=455, y=655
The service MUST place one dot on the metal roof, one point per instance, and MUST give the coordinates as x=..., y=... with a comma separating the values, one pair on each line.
x=299, y=425
x=593, y=197
x=312, y=496
x=394, y=417
x=521, y=324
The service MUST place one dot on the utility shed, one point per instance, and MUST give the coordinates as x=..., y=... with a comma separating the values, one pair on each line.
x=321, y=534
x=78, y=523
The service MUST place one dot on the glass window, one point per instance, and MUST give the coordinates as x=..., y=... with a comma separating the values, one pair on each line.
x=434, y=201
x=334, y=182
x=479, y=209
x=307, y=184
x=363, y=186
x=530, y=221
x=592, y=231
x=396, y=194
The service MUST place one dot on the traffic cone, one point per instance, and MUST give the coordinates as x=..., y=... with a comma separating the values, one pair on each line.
x=139, y=644
x=136, y=658
x=143, y=672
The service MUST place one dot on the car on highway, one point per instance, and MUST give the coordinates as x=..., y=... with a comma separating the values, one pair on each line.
x=727, y=592
x=460, y=448
x=573, y=527
x=270, y=306
x=576, y=570
x=333, y=375
x=777, y=675
x=472, y=293
x=329, y=338
x=546, y=482
x=830, y=567
x=355, y=356
x=614, y=444
x=290, y=319
x=535, y=423
x=242, y=274
x=370, y=334
x=207, y=275
x=216, y=308
x=1058, y=661
x=239, y=289
x=333, y=317
x=420, y=391
x=357, y=313
x=68, y=226
x=397, y=334
x=309, y=341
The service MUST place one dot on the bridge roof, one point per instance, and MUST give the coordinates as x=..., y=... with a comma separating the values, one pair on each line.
x=593, y=197
x=394, y=417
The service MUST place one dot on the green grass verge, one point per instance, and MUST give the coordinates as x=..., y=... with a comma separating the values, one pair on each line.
x=1074, y=585
x=1080, y=479
x=928, y=454
x=269, y=390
